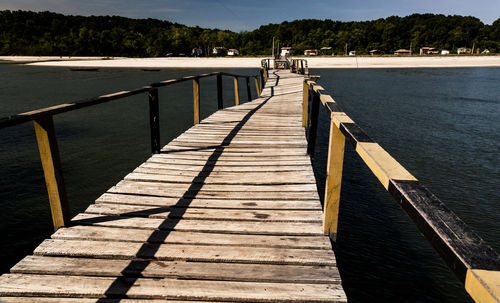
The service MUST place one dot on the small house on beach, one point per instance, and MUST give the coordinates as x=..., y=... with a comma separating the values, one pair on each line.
x=219, y=51
x=286, y=52
x=326, y=51
x=428, y=51
x=374, y=52
x=233, y=52
x=311, y=52
x=463, y=50
x=196, y=52
x=402, y=52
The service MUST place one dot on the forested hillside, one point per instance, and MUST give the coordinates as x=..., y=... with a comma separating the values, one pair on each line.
x=46, y=33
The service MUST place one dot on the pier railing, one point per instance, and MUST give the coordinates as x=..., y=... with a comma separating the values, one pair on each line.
x=47, y=141
x=474, y=262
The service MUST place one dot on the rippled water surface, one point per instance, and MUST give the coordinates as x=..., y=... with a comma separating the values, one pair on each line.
x=441, y=124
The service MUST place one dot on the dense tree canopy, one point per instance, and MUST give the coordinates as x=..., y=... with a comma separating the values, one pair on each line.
x=46, y=33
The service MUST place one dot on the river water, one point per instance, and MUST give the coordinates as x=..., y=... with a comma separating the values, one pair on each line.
x=441, y=124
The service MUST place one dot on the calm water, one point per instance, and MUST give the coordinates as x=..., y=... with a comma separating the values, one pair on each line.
x=441, y=124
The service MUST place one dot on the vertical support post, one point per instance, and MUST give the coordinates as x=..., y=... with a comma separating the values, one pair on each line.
x=261, y=79
x=249, y=93
x=236, y=92
x=291, y=66
x=257, y=90
x=154, y=120
x=51, y=163
x=311, y=144
x=302, y=66
x=333, y=181
x=196, y=100
x=297, y=69
x=220, y=100
x=305, y=103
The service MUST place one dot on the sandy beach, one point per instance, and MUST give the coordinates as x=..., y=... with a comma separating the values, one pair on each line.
x=252, y=62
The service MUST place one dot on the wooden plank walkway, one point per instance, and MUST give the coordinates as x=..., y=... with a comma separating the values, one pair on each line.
x=228, y=212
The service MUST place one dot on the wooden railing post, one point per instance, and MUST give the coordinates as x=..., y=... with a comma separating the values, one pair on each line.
x=236, y=92
x=257, y=90
x=333, y=181
x=51, y=163
x=305, y=103
x=311, y=144
x=297, y=69
x=154, y=120
x=249, y=93
x=220, y=100
x=302, y=66
x=196, y=100
x=261, y=79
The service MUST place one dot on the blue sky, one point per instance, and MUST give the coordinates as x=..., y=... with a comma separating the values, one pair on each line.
x=239, y=15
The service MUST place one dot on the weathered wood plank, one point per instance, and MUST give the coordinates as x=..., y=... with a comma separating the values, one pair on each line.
x=185, y=252
x=205, y=213
x=143, y=288
x=176, y=176
x=209, y=203
x=275, y=215
x=224, y=162
x=84, y=300
x=231, y=227
x=156, y=182
x=140, y=189
x=221, y=168
x=99, y=233
x=178, y=269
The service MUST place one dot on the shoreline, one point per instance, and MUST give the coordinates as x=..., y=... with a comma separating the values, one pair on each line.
x=254, y=62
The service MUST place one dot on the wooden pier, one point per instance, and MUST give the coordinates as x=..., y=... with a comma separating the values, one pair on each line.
x=229, y=210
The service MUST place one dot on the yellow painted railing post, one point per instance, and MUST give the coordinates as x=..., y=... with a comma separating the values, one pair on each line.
x=196, y=100
x=333, y=180
x=51, y=163
x=256, y=86
x=305, y=103
x=236, y=92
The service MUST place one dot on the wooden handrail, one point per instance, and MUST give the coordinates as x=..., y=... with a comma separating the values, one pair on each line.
x=474, y=262
x=47, y=142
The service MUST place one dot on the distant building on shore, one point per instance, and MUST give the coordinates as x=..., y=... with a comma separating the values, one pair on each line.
x=326, y=51
x=428, y=51
x=286, y=52
x=375, y=52
x=311, y=52
x=233, y=52
x=463, y=50
x=352, y=53
x=196, y=52
x=445, y=52
x=402, y=52
x=219, y=51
